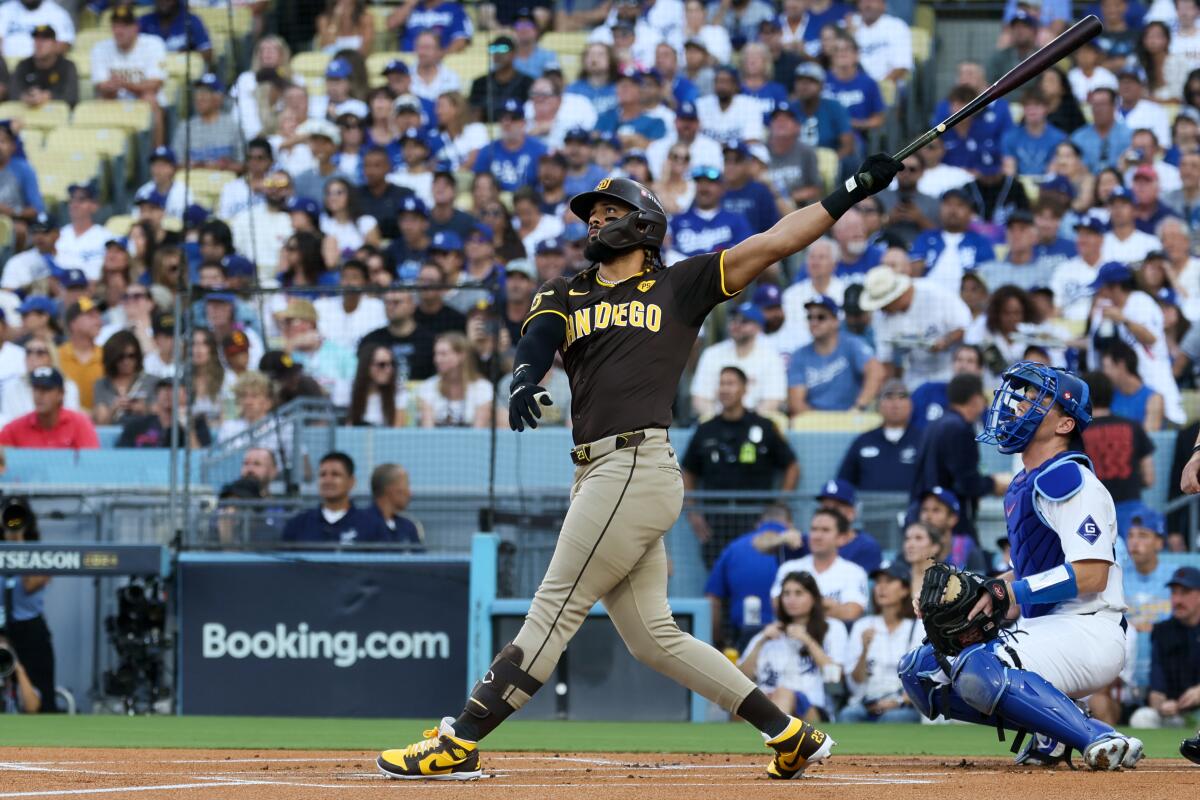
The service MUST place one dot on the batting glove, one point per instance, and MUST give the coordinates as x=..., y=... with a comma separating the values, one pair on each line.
x=524, y=404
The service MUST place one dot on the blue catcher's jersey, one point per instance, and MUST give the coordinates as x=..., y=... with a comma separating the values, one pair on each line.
x=1060, y=512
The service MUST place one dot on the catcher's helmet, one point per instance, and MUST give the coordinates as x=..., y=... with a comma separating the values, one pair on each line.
x=646, y=226
x=1011, y=429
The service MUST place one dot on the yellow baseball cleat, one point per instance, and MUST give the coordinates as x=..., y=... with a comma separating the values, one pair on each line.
x=799, y=745
x=440, y=756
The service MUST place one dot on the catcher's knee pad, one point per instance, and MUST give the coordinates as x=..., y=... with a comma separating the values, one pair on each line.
x=490, y=695
x=916, y=671
x=980, y=678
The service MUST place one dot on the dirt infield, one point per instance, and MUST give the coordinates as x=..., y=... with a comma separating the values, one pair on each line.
x=292, y=775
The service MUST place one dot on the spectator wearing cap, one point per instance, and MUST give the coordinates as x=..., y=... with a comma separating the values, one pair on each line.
x=769, y=299
x=1135, y=110
x=235, y=352
x=448, y=18
x=345, y=26
x=45, y=75
x=39, y=321
x=80, y=357
x=521, y=281
x=329, y=364
x=883, y=459
x=836, y=371
x=323, y=139
x=444, y=216
x=491, y=94
x=247, y=191
x=377, y=196
x=850, y=85
x=744, y=195
x=264, y=229
x=344, y=319
x=949, y=456
x=348, y=158
x=480, y=268
x=551, y=184
x=414, y=171
x=583, y=173
x=1102, y=143
x=698, y=63
x=50, y=425
x=1022, y=30
x=224, y=315
x=1124, y=243
x=702, y=149
x=1148, y=209
x=707, y=227
x=1020, y=266
x=432, y=313
x=727, y=114
x=550, y=114
x=513, y=158
x=631, y=37
x=1089, y=71
x=16, y=394
x=780, y=37
x=179, y=29
x=884, y=41
x=1072, y=279
x=792, y=166
x=939, y=508
x=159, y=360
x=942, y=255
x=38, y=262
x=876, y=645
x=823, y=121
x=1121, y=452
x=1028, y=148
x=531, y=58
x=81, y=242
x=628, y=120
x=1175, y=655
x=747, y=349
x=550, y=259
x=211, y=138
x=738, y=449
x=338, y=98
x=162, y=180
x=738, y=583
x=1144, y=580
x=679, y=88
x=410, y=249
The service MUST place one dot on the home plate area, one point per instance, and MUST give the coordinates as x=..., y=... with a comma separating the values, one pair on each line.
x=293, y=775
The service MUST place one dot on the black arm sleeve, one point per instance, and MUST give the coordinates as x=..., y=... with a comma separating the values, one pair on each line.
x=544, y=334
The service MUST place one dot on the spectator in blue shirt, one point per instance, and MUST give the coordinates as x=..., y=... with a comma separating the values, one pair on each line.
x=823, y=122
x=974, y=142
x=820, y=14
x=628, y=121
x=943, y=255
x=1029, y=147
x=853, y=88
x=513, y=158
x=929, y=399
x=836, y=371
x=706, y=227
x=1102, y=143
x=756, y=78
x=666, y=65
x=597, y=77
x=530, y=58
x=882, y=459
x=855, y=545
x=335, y=520
x=391, y=493
x=743, y=194
x=741, y=581
x=583, y=173
x=180, y=30
x=20, y=197
x=449, y=19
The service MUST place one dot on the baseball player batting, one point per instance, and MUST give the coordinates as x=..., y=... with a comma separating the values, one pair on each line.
x=1063, y=598
x=625, y=327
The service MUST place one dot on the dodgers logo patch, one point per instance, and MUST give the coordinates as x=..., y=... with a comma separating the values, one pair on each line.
x=1089, y=530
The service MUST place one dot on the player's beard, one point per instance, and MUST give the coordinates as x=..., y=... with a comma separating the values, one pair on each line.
x=598, y=252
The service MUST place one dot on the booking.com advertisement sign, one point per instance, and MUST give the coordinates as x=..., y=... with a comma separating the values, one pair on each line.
x=311, y=635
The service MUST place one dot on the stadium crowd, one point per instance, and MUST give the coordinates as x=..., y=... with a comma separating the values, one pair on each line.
x=382, y=234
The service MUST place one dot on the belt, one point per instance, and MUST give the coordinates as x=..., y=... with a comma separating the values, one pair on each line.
x=1124, y=621
x=587, y=453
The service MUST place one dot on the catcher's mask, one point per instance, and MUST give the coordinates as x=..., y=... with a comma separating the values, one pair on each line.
x=1035, y=388
x=645, y=226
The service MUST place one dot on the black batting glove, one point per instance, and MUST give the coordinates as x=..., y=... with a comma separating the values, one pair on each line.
x=873, y=176
x=525, y=399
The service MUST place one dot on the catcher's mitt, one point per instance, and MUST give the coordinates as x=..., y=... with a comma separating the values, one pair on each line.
x=947, y=597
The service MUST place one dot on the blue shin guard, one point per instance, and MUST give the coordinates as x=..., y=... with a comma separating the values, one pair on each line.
x=931, y=697
x=1021, y=699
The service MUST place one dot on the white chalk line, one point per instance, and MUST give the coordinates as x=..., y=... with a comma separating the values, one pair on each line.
x=20, y=766
x=117, y=789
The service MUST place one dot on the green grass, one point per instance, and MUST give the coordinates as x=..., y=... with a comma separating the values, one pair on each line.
x=371, y=735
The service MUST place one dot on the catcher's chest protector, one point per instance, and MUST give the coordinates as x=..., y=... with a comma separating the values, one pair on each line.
x=1036, y=547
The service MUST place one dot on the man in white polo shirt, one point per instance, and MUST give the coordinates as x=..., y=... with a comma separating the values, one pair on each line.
x=843, y=583
x=1124, y=242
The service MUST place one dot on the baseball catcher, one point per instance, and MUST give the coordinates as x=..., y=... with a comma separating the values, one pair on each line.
x=1062, y=600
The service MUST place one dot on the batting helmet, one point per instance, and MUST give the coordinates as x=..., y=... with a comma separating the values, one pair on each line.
x=646, y=226
x=1038, y=387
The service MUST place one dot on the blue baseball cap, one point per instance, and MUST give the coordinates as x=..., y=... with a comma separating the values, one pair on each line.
x=575, y=232
x=631, y=74
x=414, y=135
x=305, y=204
x=1167, y=296
x=729, y=69
x=195, y=215
x=338, y=69
x=1111, y=272
x=481, y=230
x=88, y=188
x=956, y=193
x=824, y=301
x=635, y=155
x=1023, y=16
x=896, y=569
x=736, y=146
x=46, y=378
x=395, y=66
x=38, y=304
x=42, y=223
x=446, y=242
x=687, y=110
x=412, y=205
x=72, y=279
x=1120, y=193
x=811, y=70
x=945, y=496
x=210, y=82
x=220, y=297
x=511, y=108
x=1058, y=183
x=148, y=195
x=783, y=107
x=238, y=266
x=1187, y=577
x=551, y=245
x=578, y=135
x=1090, y=222
x=1143, y=516
x=163, y=153
x=751, y=313
x=767, y=295
x=840, y=490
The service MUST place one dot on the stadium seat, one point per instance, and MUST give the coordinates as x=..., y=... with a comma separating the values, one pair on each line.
x=887, y=90
x=827, y=165
x=470, y=63
x=130, y=115
x=120, y=224
x=45, y=118
x=74, y=165
x=1031, y=188
x=217, y=19
x=384, y=39
x=1191, y=404
x=565, y=43
x=207, y=184
x=310, y=65
x=922, y=44
x=837, y=421
x=86, y=40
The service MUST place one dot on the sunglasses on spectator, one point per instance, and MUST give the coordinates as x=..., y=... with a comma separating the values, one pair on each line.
x=708, y=173
x=36, y=351
x=135, y=296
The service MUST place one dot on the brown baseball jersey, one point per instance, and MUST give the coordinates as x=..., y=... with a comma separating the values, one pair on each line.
x=627, y=342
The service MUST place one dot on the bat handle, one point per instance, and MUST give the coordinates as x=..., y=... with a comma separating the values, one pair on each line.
x=867, y=182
